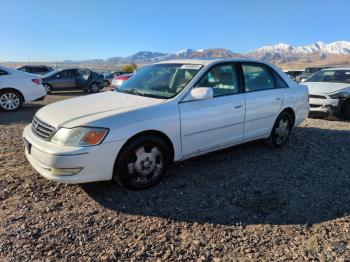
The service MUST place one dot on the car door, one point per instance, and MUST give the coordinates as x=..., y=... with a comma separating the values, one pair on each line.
x=82, y=78
x=217, y=122
x=263, y=99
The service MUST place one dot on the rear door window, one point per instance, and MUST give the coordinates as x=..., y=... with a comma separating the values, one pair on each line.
x=257, y=77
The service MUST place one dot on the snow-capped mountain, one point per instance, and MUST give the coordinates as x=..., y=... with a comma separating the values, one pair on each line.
x=287, y=53
x=278, y=54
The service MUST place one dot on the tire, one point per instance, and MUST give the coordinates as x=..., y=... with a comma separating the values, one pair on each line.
x=142, y=163
x=94, y=88
x=106, y=83
x=48, y=88
x=281, y=130
x=346, y=109
x=10, y=100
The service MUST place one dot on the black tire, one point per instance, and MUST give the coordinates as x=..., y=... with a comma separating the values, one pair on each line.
x=106, y=83
x=10, y=95
x=48, y=88
x=346, y=109
x=94, y=88
x=130, y=165
x=280, y=133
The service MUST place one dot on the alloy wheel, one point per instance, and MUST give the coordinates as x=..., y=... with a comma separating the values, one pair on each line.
x=94, y=88
x=9, y=101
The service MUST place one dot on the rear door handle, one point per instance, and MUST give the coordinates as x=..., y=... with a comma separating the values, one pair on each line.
x=278, y=99
x=238, y=106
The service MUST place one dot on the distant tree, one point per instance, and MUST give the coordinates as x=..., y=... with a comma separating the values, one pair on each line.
x=129, y=68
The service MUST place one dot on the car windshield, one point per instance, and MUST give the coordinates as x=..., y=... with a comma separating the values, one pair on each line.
x=50, y=73
x=336, y=76
x=160, y=80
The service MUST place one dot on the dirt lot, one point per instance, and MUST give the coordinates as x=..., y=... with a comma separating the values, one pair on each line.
x=250, y=201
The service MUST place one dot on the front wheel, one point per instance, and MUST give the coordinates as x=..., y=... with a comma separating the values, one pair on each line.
x=10, y=101
x=142, y=163
x=281, y=130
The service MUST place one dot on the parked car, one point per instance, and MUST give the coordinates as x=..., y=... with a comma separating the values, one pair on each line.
x=330, y=92
x=73, y=79
x=309, y=71
x=168, y=112
x=108, y=77
x=293, y=74
x=119, y=80
x=36, y=69
x=17, y=87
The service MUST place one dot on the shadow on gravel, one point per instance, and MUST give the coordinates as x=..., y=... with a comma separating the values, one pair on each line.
x=24, y=115
x=305, y=182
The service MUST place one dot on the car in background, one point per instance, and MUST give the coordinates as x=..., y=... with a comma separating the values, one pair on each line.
x=309, y=71
x=119, y=80
x=108, y=77
x=73, y=79
x=17, y=87
x=293, y=74
x=36, y=69
x=168, y=112
x=329, y=92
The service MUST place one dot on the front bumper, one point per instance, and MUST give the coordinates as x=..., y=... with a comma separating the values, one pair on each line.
x=324, y=106
x=97, y=162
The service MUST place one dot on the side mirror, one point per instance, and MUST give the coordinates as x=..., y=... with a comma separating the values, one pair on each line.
x=200, y=93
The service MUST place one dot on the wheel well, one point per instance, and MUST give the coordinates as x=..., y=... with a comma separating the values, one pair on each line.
x=13, y=90
x=156, y=133
x=291, y=112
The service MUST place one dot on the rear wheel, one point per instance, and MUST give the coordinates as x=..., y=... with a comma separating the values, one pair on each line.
x=142, y=163
x=10, y=100
x=94, y=88
x=281, y=130
x=48, y=88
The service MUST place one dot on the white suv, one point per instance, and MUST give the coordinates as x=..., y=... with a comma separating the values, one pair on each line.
x=17, y=87
x=168, y=112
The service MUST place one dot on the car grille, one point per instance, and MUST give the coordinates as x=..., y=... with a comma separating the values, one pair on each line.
x=317, y=96
x=41, y=129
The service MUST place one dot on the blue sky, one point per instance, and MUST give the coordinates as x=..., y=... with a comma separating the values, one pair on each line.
x=42, y=30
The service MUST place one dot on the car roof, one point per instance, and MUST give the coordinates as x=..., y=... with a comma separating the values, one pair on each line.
x=209, y=61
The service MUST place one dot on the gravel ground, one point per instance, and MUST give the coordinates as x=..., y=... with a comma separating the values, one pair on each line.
x=250, y=202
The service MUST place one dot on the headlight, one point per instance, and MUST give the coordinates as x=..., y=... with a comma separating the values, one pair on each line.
x=79, y=136
x=342, y=93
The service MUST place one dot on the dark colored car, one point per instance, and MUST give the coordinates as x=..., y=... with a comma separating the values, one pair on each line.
x=293, y=74
x=309, y=71
x=36, y=69
x=73, y=79
x=108, y=77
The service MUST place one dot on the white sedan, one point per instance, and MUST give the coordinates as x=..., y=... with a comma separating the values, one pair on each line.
x=330, y=92
x=168, y=112
x=17, y=87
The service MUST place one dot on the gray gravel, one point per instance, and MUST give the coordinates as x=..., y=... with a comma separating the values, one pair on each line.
x=248, y=202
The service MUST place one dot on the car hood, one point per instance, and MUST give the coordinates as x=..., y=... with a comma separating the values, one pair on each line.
x=88, y=109
x=325, y=87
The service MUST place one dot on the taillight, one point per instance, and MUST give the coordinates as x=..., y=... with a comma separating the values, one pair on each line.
x=122, y=78
x=36, y=81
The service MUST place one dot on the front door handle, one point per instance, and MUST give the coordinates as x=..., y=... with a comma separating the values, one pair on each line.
x=278, y=99
x=238, y=106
